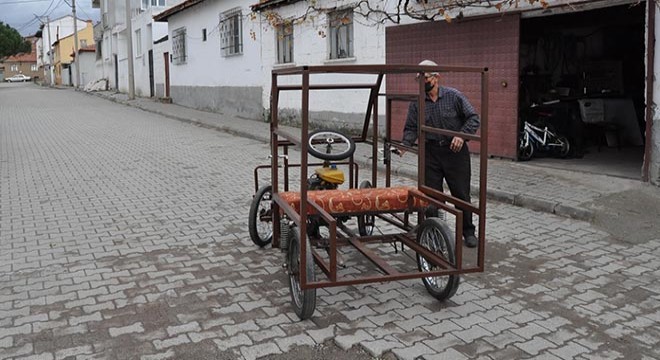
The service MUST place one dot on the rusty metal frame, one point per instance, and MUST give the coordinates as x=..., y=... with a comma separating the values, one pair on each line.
x=339, y=234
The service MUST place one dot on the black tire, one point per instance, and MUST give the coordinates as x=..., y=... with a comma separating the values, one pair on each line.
x=303, y=301
x=365, y=222
x=564, y=150
x=435, y=235
x=525, y=149
x=330, y=141
x=260, y=221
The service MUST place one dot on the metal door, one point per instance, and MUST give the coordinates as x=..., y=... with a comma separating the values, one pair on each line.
x=151, y=73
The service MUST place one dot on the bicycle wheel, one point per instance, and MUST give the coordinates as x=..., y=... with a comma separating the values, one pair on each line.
x=434, y=235
x=525, y=148
x=565, y=148
x=260, y=221
x=365, y=222
x=330, y=145
x=303, y=301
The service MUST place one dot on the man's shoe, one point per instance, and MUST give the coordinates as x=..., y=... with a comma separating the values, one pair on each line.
x=471, y=241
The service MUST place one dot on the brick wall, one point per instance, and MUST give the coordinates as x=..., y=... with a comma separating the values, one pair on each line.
x=490, y=42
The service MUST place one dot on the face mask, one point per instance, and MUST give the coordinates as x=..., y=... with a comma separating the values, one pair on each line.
x=428, y=87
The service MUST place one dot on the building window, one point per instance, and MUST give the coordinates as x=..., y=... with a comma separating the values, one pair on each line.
x=157, y=2
x=203, y=34
x=83, y=43
x=179, y=46
x=14, y=67
x=284, y=38
x=34, y=67
x=231, y=32
x=341, y=34
x=99, y=50
x=138, y=42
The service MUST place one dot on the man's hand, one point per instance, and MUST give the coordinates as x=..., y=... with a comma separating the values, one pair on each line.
x=456, y=144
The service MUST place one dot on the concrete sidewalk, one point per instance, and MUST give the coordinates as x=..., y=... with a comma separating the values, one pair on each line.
x=566, y=193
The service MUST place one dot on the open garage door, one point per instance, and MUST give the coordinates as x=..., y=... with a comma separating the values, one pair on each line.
x=487, y=42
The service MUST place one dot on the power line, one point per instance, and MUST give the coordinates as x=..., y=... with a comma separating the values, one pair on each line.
x=21, y=2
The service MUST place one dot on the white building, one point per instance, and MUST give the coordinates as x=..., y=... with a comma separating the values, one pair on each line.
x=86, y=60
x=223, y=54
x=51, y=31
x=112, y=42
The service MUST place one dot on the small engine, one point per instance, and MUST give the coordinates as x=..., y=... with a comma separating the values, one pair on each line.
x=326, y=178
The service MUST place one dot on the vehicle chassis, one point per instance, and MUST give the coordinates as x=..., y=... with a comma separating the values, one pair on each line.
x=287, y=219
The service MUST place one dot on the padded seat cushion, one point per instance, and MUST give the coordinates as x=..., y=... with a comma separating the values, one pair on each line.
x=356, y=200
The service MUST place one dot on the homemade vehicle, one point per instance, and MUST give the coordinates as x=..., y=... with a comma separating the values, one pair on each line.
x=316, y=214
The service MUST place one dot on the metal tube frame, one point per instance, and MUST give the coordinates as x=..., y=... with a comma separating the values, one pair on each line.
x=339, y=234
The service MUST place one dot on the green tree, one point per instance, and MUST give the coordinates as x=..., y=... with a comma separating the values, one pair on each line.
x=11, y=42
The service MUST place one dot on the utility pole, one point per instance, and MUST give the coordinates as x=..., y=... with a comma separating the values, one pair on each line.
x=50, y=53
x=75, y=46
x=129, y=52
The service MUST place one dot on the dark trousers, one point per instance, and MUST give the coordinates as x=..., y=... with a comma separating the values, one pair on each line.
x=455, y=168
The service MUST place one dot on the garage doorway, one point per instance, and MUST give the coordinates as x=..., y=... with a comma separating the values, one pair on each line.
x=582, y=74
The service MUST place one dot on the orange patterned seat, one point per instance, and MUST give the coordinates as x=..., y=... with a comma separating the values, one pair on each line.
x=356, y=200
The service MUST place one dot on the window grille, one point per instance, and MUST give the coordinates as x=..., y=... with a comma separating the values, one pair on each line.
x=231, y=32
x=341, y=34
x=179, y=46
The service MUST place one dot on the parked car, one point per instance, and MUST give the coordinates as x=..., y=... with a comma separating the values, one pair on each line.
x=18, y=78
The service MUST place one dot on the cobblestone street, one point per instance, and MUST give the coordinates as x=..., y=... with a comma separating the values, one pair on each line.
x=123, y=235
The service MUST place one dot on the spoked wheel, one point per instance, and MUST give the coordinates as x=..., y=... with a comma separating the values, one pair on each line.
x=366, y=222
x=330, y=145
x=565, y=148
x=260, y=222
x=304, y=301
x=435, y=235
x=525, y=148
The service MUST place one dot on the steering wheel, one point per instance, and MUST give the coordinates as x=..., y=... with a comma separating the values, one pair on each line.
x=330, y=145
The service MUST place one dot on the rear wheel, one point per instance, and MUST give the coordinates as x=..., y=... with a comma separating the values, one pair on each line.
x=525, y=148
x=435, y=236
x=303, y=301
x=366, y=222
x=260, y=221
x=565, y=148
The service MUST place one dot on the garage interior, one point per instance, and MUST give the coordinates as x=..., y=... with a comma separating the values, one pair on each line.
x=582, y=74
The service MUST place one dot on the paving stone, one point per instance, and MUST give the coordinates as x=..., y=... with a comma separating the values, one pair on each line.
x=286, y=343
x=346, y=342
x=413, y=352
x=449, y=354
x=185, y=328
x=231, y=342
x=535, y=345
x=569, y=350
x=259, y=351
x=130, y=329
x=136, y=224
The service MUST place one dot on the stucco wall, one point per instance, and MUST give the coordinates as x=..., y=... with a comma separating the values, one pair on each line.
x=208, y=80
x=242, y=101
x=342, y=109
x=654, y=158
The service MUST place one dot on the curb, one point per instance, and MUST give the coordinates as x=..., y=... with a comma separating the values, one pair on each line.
x=521, y=200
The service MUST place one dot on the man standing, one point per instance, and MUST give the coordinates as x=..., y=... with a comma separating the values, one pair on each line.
x=446, y=157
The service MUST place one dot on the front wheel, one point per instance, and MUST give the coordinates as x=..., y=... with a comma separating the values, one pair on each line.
x=366, y=222
x=260, y=221
x=435, y=236
x=303, y=301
